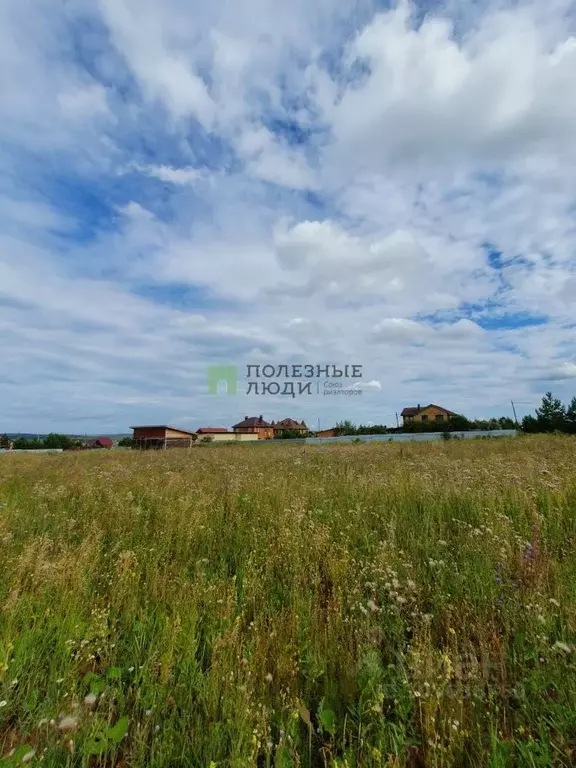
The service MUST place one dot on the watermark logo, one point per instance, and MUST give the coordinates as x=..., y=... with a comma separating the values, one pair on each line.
x=289, y=380
x=222, y=379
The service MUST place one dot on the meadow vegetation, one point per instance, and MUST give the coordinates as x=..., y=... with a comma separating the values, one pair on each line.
x=290, y=605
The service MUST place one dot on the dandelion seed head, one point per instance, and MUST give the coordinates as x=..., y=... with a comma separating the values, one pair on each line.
x=68, y=723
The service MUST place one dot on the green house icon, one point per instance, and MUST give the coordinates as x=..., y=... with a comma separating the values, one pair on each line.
x=222, y=377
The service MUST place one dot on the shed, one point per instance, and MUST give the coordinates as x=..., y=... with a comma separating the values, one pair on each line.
x=162, y=436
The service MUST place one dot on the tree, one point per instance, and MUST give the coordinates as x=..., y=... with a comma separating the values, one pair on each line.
x=4, y=441
x=551, y=415
x=54, y=440
x=571, y=417
x=289, y=434
x=345, y=428
x=126, y=442
x=530, y=425
x=459, y=423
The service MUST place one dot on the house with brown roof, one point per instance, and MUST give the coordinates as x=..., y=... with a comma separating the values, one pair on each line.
x=162, y=436
x=99, y=442
x=327, y=433
x=290, y=425
x=254, y=425
x=426, y=413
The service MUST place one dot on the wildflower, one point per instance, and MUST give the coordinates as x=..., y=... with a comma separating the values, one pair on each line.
x=372, y=605
x=554, y=602
x=270, y=746
x=60, y=680
x=130, y=669
x=68, y=723
x=90, y=699
x=28, y=756
x=3, y=704
x=269, y=677
x=562, y=646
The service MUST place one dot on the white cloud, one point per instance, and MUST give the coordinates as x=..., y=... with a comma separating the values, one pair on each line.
x=179, y=176
x=83, y=103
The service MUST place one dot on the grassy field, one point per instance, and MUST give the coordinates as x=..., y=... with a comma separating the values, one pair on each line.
x=352, y=605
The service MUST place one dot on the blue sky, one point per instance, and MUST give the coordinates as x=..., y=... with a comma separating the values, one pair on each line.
x=184, y=184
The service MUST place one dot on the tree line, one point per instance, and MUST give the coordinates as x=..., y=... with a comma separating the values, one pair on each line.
x=552, y=416
x=53, y=440
x=457, y=423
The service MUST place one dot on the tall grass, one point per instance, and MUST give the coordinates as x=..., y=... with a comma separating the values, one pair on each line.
x=350, y=605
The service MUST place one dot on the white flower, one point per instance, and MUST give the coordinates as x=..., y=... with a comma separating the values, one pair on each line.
x=3, y=704
x=28, y=756
x=90, y=699
x=372, y=605
x=68, y=723
x=269, y=677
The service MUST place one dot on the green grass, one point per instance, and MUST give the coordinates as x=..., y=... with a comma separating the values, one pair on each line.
x=350, y=605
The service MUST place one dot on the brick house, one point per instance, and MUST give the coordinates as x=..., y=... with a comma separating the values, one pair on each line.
x=255, y=425
x=426, y=413
x=290, y=425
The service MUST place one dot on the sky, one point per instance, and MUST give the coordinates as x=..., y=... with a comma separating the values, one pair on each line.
x=186, y=184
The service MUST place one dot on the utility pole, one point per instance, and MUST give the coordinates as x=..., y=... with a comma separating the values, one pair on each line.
x=397, y=422
x=514, y=410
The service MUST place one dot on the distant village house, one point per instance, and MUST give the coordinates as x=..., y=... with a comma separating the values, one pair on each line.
x=99, y=442
x=163, y=436
x=289, y=425
x=426, y=413
x=255, y=425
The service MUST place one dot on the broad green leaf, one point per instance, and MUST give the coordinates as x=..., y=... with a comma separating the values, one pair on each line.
x=114, y=673
x=97, y=746
x=327, y=718
x=118, y=731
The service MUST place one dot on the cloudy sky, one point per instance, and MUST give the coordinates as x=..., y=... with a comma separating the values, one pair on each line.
x=187, y=183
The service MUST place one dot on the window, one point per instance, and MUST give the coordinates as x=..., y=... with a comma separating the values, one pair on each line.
x=439, y=417
x=424, y=418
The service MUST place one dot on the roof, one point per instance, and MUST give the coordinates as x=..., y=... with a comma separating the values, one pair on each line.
x=212, y=431
x=252, y=421
x=415, y=410
x=164, y=426
x=104, y=442
x=289, y=424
